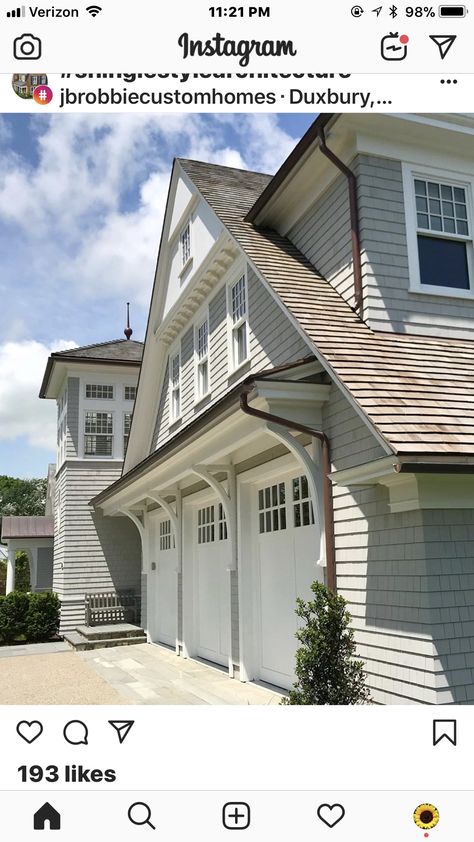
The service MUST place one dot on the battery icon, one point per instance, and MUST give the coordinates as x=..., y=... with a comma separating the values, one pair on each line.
x=452, y=11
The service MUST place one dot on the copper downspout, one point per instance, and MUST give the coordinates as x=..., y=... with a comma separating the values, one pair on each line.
x=326, y=466
x=354, y=216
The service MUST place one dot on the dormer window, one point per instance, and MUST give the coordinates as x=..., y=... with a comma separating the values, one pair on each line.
x=439, y=233
x=185, y=241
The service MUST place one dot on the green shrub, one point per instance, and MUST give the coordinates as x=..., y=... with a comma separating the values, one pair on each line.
x=326, y=669
x=42, y=617
x=28, y=616
x=13, y=610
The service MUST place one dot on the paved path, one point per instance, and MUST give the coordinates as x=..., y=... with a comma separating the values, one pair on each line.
x=153, y=675
x=142, y=674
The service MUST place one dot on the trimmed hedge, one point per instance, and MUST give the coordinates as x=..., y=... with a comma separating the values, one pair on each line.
x=28, y=617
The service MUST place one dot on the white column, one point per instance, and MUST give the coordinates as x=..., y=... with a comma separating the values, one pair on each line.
x=11, y=569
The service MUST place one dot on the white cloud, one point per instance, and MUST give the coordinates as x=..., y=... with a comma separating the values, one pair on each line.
x=92, y=206
x=22, y=367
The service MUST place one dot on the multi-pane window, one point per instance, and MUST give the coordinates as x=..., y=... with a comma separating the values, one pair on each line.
x=206, y=525
x=221, y=523
x=130, y=393
x=185, y=241
x=127, y=420
x=272, y=508
x=175, y=386
x=443, y=233
x=238, y=313
x=99, y=391
x=202, y=358
x=98, y=439
x=167, y=541
x=302, y=506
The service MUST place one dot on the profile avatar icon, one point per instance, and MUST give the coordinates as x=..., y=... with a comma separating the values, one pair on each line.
x=426, y=816
x=25, y=84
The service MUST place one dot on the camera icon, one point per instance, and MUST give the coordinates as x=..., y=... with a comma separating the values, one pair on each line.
x=27, y=46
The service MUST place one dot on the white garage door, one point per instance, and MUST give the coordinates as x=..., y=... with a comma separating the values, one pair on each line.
x=288, y=546
x=212, y=607
x=165, y=595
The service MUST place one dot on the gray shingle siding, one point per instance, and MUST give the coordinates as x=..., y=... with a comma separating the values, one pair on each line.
x=92, y=552
x=273, y=341
x=408, y=578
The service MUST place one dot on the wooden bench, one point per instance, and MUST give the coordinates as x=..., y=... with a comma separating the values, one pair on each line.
x=111, y=607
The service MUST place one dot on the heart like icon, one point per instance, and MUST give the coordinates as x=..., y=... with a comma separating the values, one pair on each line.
x=29, y=731
x=331, y=814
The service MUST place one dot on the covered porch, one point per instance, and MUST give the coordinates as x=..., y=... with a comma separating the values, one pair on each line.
x=35, y=537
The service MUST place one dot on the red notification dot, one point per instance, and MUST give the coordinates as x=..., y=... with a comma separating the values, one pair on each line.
x=426, y=835
x=404, y=39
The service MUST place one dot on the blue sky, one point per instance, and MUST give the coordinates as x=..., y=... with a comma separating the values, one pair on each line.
x=81, y=206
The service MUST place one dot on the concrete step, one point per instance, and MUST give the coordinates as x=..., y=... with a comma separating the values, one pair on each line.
x=109, y=631
x=104, y=636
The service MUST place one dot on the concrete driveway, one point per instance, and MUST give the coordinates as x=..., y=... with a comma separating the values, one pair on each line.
x=144, y=674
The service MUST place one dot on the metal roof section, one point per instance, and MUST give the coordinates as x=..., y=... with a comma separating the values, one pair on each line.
x=27, y=527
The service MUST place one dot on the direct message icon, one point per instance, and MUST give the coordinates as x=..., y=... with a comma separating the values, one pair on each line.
x=331, y=814
x=445, y=729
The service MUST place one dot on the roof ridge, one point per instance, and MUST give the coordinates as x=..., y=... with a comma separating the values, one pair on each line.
x=224, y=167
x=96, y=345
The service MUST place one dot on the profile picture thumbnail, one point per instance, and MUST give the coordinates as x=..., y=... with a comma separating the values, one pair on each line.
x=24, y=84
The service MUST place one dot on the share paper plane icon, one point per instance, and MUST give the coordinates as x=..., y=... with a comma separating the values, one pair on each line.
x=122, y=726
x=444, y=43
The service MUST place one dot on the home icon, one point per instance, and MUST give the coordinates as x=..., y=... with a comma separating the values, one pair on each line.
x=47, y=815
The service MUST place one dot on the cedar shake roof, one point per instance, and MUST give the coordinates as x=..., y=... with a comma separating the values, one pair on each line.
x=115, y=352
x=417, y=391
x=122, y=350
x=27, y=527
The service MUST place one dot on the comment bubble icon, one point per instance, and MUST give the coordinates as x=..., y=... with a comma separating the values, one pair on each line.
x=76, y=733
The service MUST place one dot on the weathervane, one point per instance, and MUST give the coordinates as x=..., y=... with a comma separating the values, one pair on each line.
x=128, y=330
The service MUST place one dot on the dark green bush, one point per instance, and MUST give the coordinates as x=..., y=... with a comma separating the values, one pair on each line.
x=42, y=617
x=327, y=670
x=13, y=610
x=28, y=616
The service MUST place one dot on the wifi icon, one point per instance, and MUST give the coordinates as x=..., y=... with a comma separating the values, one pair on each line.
x=94, y=10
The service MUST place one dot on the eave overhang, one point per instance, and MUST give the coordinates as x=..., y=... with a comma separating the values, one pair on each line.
x=59, y=364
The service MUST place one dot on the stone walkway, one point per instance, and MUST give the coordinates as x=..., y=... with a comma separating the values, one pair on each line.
x=153, y=675
x=50, y=673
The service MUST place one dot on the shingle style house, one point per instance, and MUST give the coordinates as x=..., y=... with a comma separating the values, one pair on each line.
x=304, y=409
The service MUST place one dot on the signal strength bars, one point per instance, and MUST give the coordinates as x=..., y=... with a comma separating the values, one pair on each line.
x=20, y=12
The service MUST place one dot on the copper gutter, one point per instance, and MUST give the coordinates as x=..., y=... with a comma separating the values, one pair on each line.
x=326, y=466
x=354, y=215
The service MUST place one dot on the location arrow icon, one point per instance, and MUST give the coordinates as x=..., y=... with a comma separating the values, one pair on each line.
x=122, y=726
x=444, y=43
x=377, y=10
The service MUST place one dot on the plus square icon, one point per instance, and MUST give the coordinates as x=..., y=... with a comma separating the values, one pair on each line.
x=236, y=815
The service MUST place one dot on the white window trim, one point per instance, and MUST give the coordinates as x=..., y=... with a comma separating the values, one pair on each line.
x=409, y=173
x=231, y=327
x=202, y=316
x=175, y=351
x=188, y=263
x=84, y=435
x=101, y=383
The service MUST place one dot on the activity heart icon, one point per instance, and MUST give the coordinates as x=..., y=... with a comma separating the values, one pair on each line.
x=331, y=814
x=29, y=731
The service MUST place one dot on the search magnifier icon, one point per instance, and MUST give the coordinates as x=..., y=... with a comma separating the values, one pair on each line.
x=139, y=813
